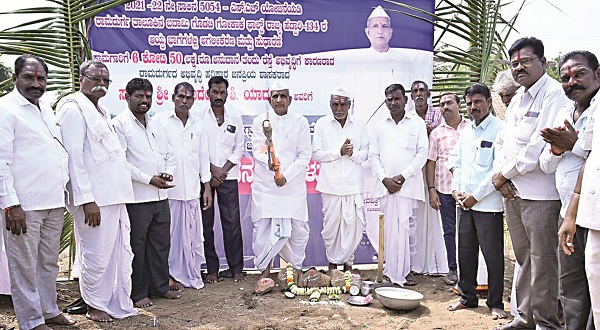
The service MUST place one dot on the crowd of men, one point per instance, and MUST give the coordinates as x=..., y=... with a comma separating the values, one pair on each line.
x=142, y=189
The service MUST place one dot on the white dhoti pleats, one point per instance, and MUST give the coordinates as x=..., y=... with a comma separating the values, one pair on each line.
x=592, y=271
x=106, y=257
x=431, y=258
x=187, y=248
x=4, y=277
x=343, y=221
x=286, y=237
x=398, y=212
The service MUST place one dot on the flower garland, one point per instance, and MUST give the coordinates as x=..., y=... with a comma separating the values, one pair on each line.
x=314, y=294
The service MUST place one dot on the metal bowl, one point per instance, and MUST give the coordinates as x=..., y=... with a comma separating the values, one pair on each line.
x=398, y=298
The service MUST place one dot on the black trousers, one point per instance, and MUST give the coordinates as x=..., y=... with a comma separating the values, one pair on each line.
x=481, y=229
x=229, y=210
x=150, y=242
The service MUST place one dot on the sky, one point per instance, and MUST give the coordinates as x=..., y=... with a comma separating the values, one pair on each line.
x=571, y=26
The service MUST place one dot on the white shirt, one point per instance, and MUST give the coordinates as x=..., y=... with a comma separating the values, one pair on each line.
x=225, y=142
x=340, y=175
x=566, y=166
x=520, y=145
x=190, y=146
x=589, y=203
x=369, y=72
x=291, y=140
x=33, y=162
x=473, y=168
x=148, y=154
x=400, y=149
x=107, y=183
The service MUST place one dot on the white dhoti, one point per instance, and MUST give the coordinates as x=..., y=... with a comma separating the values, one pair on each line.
x=4, y=277
x=106, y=259
x=431, y=258
x=398, y=213
x=187, y=248
x=592, y=270
x=286, y=237
x=343, y=221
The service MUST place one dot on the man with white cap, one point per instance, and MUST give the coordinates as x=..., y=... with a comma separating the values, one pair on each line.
x=341, y=179
x=279, y=209
x=371, y=70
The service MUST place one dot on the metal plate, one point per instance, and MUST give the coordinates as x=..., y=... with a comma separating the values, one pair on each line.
x=357, y=301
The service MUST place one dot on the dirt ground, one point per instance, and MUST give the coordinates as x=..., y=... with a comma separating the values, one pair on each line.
x=228, y=305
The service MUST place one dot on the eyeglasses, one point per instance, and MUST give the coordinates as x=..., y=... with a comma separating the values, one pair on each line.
x=97, y=80
x=524, y=62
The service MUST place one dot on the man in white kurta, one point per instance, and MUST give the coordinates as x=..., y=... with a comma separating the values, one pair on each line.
x=32, y=195
x=397, y=154
x=185, y=132
x=151, y=162
x=99, y=188
x=225, y=136
x=340, y=178
x=279, y=209
x=371, y=70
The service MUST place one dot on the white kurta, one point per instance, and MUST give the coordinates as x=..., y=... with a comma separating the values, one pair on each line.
x=369, y=72
x=106, y=255
x=280, y=214
x=189, y=143
x=340, y=182
x=291, y=139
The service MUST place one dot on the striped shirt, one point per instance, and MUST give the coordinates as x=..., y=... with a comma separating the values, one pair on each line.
x=441, y=141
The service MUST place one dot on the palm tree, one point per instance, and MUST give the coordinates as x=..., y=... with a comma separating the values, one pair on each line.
x=478, y=34
x=60, y=38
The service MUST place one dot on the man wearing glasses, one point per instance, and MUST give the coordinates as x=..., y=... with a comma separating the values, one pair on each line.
x=99, y=188
x=531, y=201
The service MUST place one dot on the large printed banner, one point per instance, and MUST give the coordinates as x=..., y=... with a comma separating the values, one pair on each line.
x=311, y=46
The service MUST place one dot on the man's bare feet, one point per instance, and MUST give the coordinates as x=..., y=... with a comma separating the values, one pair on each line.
x=212, y=278
x=98, y=315
x=145, y=302
x=498, y=313
x=61, y=319
x=239, y=277
x=456, y=306
x=174, y=285
x=265, y=273
x=172, y=295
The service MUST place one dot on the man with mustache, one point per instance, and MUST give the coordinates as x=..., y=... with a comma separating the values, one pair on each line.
x=99, y=188
x=419, y=93
x=152, y=165
x=397, y=154
x=32, y=195
x=371, y=70
x=531, y=203
x=185, y=132
x=225, y=135
x=341, y=179
x=439, y=178
x=565, y=156
x=480, y=222
x=279, y=209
